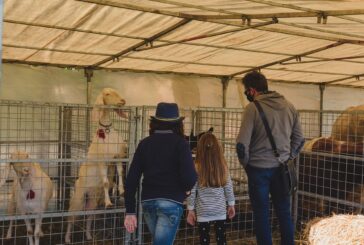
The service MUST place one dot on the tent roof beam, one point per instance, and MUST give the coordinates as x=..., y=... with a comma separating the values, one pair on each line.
x=333, y=45
x=142, y=43
x=81, y=67
x=176, y=61
x=357, y=76
x=78, y=67
x=209, y=35
x=222, y=11
x=216, y=21
x=291, y=6
x=230, y=16
x=141, y=38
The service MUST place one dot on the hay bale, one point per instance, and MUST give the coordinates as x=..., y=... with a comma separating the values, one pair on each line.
x=336, y=230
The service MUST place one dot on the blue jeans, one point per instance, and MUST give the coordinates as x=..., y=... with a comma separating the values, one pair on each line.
x=263, y=181
x=162, y=218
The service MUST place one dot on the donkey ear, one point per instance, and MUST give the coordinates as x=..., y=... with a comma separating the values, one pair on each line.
x=96, y=111
x=211, y=129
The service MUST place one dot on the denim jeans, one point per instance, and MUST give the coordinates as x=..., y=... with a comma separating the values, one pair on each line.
x=263, y=181
x=162, y=218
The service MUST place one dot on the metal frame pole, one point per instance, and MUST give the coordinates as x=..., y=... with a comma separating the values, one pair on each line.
x=139, y=118
x=88, y=74
x=1, y=42
x=225, y=84
x=322, y=89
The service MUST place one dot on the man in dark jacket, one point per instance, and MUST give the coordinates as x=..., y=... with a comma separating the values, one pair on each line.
x=256, y=155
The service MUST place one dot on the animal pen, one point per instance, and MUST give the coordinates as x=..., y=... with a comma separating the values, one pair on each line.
x=58, y=135
x=61, y=52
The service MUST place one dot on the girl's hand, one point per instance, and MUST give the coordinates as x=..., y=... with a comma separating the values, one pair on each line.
x=231, y=211
x=191, y=217
x=130, y=222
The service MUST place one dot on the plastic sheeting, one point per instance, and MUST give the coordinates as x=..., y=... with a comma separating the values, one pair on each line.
x=90, y=32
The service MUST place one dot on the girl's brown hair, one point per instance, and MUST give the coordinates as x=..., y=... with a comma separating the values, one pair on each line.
x=210, y=162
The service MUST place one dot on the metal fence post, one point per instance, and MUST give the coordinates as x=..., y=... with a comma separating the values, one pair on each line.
x=65, y=146
x=140, y=117
x=129, y=238
x=322, y=89
x=294, y=203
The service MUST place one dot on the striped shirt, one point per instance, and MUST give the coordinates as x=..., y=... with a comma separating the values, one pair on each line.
x=210, y=202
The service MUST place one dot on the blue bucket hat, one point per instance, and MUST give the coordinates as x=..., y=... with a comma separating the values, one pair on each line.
x=167, y=112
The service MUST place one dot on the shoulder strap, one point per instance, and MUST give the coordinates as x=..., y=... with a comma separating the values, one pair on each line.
x=267, y=128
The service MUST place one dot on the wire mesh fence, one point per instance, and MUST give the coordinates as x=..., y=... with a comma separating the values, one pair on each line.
x=331, y=167
x=225, y=124
x=54, y=142
x=59, y=137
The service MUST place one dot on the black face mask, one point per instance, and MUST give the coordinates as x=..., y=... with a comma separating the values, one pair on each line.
x=248, y=95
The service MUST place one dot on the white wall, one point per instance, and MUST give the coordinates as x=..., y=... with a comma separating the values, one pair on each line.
x=301, y=96
x=42, y=84
x=149, y=89
x=47, y=84
x=336, y=98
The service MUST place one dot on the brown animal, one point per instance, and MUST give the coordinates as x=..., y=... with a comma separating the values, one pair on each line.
x=330, y=145
x=349, y=126
x=332, y=175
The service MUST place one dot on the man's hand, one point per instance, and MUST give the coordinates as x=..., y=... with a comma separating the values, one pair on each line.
x=231, y=212
x=130, y=222
x=191, y=217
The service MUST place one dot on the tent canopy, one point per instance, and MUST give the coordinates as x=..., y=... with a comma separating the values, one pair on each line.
x=306, y=41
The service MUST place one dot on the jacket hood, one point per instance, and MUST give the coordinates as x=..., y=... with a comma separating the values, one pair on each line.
x=273, y=100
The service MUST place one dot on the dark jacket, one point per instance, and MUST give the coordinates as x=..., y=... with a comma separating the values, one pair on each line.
x=165, y=161
x=253, y=144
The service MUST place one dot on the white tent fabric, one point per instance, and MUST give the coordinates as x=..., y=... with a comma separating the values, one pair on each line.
x=125, y=35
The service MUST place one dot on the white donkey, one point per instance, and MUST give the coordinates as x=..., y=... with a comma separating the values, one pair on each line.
x=95, y=178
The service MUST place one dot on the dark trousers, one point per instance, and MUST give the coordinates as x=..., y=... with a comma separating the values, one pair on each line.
x=263, y=181
x=204, y=230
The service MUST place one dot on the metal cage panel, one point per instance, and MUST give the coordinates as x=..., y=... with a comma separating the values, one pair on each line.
x=331, y=167
x=226, y=124
x=57, y=136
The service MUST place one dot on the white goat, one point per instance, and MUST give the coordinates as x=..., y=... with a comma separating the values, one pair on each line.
x=92, y=185
x=31, y=192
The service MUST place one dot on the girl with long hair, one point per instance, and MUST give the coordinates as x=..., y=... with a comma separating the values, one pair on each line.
x=213, y=189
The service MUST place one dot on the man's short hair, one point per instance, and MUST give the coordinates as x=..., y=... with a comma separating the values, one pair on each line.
x=255, y=80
